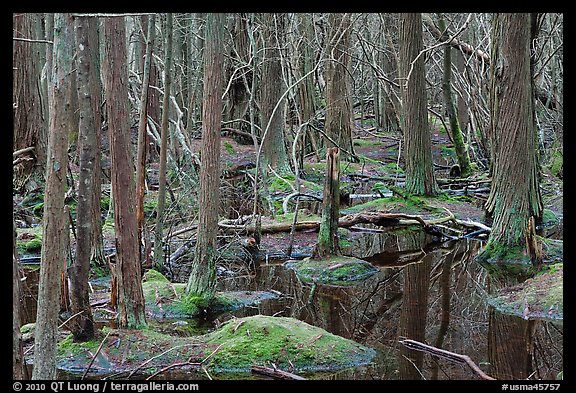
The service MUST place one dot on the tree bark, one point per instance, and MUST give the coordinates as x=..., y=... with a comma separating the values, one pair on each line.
x=97, y=242
x=55, y=229
x=202, y=281
x=457, y=137
x=420, y=179
x=19, y=370
x=30, y=119
x=273, y=144
x=130, y=295
x=338, y=123
x=328, y=242
x=514, y=195
x=82, y=326
x=413, y=314
x=158, y=247
x=142, y=134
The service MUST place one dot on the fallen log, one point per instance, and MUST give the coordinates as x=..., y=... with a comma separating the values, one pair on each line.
x=276, y=373
x=379, y=218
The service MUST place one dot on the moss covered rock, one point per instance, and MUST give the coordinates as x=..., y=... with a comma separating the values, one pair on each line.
x=340, y=270
x=540, y=297
x=165, y=299
x=234, y=347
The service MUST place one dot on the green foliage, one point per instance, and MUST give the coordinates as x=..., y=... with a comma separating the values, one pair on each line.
x=229, y=148
x=366, y=143
x=104, y=203
x=276, y=184
x=447, y=152
x=556, y=163
x=393, y=167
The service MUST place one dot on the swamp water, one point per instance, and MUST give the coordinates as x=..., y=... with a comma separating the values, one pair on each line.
x=426, y=291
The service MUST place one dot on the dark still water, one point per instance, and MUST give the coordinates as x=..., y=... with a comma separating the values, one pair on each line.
x=426, y=291
x=431, y=293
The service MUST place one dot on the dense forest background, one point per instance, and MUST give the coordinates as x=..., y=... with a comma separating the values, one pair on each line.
x=141, y=138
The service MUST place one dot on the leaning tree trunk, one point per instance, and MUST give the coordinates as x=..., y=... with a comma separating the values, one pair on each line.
x=328, y=244
x=420, y=179
x=202, y=281
x=273, y=146
x=338, y=125
x=127, y=271
x=514, y=196
x=55, y=229
x=82, y=326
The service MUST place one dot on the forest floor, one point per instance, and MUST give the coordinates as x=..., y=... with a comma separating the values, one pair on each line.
x=365, y=182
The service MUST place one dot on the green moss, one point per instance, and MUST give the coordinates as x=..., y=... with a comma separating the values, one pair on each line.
x=154, y=275
x=68, y=346
x=556, y=163
x=392, y=167
x=549, y=217
x=30, y=246
x=537, y=297
x=283, y=341
x=503, y=258
x=234, y=347
x=340, y=270
x=229, y=148
x=366, y=142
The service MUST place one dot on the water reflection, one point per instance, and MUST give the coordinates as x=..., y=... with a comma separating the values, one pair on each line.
x=426, y=291
x=430, y=292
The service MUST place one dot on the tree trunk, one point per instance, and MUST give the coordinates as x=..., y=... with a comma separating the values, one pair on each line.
x=82, y=326
x=413, y=314
x=158, y=249
x=306, y=91
x=130, y=295
x=328, y=243
x=514, y=195
x=55, y=229
x=142, y=135
x=420, y=179
x=455, y=131
x=30, y=119
x=97, y=243
x=236, y=105
x=273, y=145
x=202, y=281
x=19, y=370
x=510, y=346
x=338, y=125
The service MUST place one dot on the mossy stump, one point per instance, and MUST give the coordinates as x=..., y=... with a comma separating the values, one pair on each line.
x=165, y=299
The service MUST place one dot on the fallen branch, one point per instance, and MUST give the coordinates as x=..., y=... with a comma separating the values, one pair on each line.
x=454, y=357
x=94, y=356
x=275, y=373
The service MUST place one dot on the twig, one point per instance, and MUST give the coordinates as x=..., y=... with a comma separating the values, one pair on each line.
x=66, y=321
x=452, y=356
x=156, y=357
x=237, y=326
x=33, y=41
x=94, y=356
x=22, y=151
